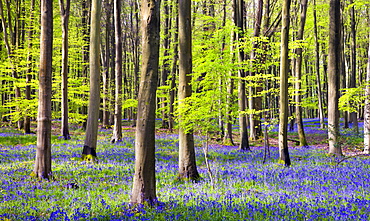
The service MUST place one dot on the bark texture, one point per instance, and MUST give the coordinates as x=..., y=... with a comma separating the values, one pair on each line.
x=284, y=71
x=42, y=169
x=187, y=163
x=117, y=130
x=334, y=65
x=239, y=22
x=317, y=66
x=64, y=14
x=367, y=109
x=144, y=189
x=298, y=72
x=94, y=100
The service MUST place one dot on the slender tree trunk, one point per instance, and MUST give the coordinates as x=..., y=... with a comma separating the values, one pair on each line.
x=298, y=72
x=85, y=55
x=27, y=120
x=367, y=108
x=89, y=150
x=254, y=97
x=334, y=65
x=64, y=14
x=144, y=189
x=117, y=130
x=352, y=83
x=174, y=70
x=284, y=101
x=42, y=169
x=165, y=66
x=238, y=20
x=106, y=57
x=317, y=65
x=229, y=96
x=187, y=163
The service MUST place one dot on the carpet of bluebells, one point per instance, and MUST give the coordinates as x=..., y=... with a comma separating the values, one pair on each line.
x=315, y=187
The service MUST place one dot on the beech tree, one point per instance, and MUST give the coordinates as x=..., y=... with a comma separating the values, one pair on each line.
x=89, y=149
x=239, y=23
x=284, y=71
x=334, y=66
x=298, y=74
x=42, y=169
x=117, y=130
x=187, y=163
x=317, y=68
x=144, y=189
x=64, y=14
x=367, y=108
x=27, y=119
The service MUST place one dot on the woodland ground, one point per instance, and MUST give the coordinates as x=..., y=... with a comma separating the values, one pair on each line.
x=315, y=187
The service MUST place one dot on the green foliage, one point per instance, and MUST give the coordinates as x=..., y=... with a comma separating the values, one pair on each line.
x=198, y=112
x=351, y=99
x=130, y=103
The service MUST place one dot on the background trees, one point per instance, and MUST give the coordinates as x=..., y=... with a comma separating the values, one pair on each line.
x=229, y=40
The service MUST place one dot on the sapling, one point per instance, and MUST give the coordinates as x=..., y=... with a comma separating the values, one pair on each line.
x=205, y=151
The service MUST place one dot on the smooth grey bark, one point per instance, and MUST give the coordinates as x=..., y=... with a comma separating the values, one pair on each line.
x=144, y=189
x=367, y=108
x=27, y=119
x=106, y=63
x=42, y=168
x=174, y=69
x=353, y=76
x=117, y=130
x=239, y=22
x=317, y=66
x=89, y=149
x=229, y=98
x=255, y=101
x=187, y=163
x=284, y=100
x=166, y=60
x=64, y=14
x=298, y=73
x=334, y=65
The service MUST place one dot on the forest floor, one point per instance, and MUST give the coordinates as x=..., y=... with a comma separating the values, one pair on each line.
x=315, y=187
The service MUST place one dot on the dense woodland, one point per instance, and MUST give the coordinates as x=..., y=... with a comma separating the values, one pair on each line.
x=198, y=66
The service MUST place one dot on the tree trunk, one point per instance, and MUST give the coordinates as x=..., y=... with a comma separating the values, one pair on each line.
x=298, y=72
x=334, y=65
x=254, y=98
x=106, y=58
x=238, y=20
x=42, y=169
x=317, y=65
x=64, y=14
x=367, y=108
x=284, y=101
x=174, y=70
x=352, y=82
x=229, y=98
x=165, y=66
x=117, y=130
x=89, y=150
x=187, y=163
x=27, y=120
x=144, y=189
